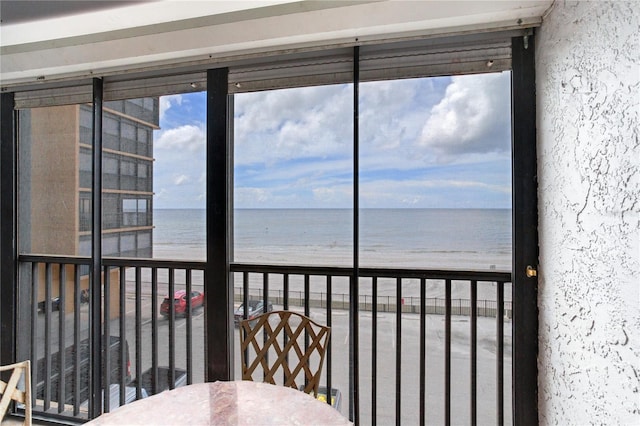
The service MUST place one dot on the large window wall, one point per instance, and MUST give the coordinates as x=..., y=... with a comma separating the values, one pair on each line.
x=56, y=181
x=299, y=144
x=434, y=176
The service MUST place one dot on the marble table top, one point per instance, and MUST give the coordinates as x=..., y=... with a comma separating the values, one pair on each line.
x=225, y=403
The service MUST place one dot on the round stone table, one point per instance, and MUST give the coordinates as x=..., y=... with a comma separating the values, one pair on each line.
x=225, y=403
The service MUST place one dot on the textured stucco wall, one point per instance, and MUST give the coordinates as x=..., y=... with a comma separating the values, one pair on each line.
x=588, y=88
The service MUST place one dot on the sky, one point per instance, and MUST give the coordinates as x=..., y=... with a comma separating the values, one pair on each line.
x=442, y=142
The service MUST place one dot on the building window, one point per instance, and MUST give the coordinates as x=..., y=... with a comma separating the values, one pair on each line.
x=144, y=147
x=85, y=168
x=110, y=245
x=128, y=131
x=86, y=124
x=143, y=171
x=128, y=168
x=128, y=242
x=111, y=132
x=144, y=240
x=110, y=165
x=86, y=117
x=143, y=135
x=110, y=125
x=134, y=212
x=85, y=214
x=85, y=160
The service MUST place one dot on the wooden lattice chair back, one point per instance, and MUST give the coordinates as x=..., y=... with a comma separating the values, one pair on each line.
x=10, y=392
x=284, y=347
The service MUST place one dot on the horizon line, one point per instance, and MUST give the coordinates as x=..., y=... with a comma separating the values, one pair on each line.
x=342, y=208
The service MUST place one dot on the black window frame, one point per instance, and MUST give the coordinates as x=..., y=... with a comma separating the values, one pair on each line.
x=218, y=290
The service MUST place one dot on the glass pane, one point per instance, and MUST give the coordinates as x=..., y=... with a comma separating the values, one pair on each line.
x=435, y=184
x=54, y=179
x=54, y=218
x=179, y=178
x=436, y=172
x=293, y=176
x=129, y=205
x=124, y=186
x=156, y=210
x=293, y=204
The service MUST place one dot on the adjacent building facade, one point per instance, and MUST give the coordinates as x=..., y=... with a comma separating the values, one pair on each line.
x=55, y=155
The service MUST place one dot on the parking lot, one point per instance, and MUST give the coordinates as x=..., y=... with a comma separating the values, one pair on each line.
x=387, y=344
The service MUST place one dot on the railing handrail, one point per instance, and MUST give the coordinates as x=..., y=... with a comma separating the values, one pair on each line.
x=52, y=276
x=417, y=273
x=154, y=263
x=115, y=261
x=48, y=258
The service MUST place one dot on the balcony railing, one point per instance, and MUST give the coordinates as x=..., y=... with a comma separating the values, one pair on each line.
x=430, y=349
x=387, y=376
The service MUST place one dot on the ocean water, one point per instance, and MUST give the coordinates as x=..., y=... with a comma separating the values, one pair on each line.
x=420, y=238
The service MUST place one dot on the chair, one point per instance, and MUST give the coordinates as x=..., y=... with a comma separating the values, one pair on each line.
x=10, y=392
x=295, y=343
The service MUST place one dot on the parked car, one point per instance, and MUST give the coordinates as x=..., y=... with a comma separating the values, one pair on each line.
x=256, y=308
x=180, y=303
x=55, y=302
x=336, y=397
x=55, y=305
x=49, y=373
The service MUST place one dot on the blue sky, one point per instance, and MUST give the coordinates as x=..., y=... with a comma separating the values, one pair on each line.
x=424, y=143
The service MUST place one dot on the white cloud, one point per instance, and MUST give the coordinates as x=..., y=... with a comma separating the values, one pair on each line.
x=181, y=180
x=473, y=117
x=167, y=102
x=294, y=147
x=188, y=137
x=161, y=194
x=334, y=195
x=446, y=193
x=392, y=113
x=314, y=123
x=292, y=124
x=249, y=196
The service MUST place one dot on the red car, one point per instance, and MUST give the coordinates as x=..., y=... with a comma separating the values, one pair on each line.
x=180, y=303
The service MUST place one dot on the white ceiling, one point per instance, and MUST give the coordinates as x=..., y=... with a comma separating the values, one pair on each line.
x=15, y=11
x=132, y=35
